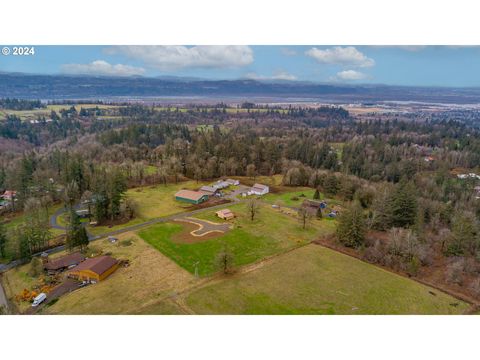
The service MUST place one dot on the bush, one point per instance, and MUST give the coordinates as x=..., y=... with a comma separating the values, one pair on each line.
x=454, y=273
x=36, y=267
x=475, y=287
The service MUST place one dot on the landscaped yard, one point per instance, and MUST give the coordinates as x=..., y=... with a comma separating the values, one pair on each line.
x=317, y=280
x=270, y=233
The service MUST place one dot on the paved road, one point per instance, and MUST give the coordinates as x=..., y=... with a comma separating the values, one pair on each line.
x=54, y=224
x=3, y=297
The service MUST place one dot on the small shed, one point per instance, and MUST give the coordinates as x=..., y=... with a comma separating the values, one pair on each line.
x=94, y=269
x=225, y=214
x=192, y=197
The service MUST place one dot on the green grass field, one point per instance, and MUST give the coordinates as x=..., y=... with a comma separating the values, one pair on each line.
x=153, y=202
x=288, y=198
x=270, y=233
x=33, y=114
x=317, y=280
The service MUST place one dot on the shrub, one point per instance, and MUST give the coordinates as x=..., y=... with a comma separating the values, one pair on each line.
x=454, y=273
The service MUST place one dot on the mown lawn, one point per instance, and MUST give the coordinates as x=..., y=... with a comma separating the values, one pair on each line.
x=291, y=198
x=157, y=201
x=317, y=280
x=153, y=202
x=270, y=233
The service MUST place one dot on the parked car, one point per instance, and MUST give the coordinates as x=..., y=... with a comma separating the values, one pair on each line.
x=39, y=299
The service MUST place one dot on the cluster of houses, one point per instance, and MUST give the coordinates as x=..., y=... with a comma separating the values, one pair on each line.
x=77, y=266
x=205, y=192
x=468, y=176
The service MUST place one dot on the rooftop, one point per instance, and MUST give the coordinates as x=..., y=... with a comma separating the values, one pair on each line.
x=98, y=264
x=189, y=194
x=65, y=261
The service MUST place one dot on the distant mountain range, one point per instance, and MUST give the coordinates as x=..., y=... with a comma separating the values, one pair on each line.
x=49, y=87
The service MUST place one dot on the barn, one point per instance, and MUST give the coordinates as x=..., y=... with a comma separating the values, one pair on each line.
x=94, y=269
x=192, y=197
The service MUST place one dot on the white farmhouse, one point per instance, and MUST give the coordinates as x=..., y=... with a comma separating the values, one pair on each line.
x=259, y=189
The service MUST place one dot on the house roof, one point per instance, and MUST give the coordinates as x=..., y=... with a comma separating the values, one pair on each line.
x=65, y=261
x=98, y=264
x=231, y=181
x=209, y=189
x=260, y=187
x=189, y=194
x=9, y=193
x=225, y=212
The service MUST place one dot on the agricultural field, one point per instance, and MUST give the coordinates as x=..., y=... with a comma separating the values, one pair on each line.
x=33, y=114
x=270, y=233
x=317, y=280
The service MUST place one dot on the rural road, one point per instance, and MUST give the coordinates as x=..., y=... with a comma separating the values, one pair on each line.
x=3, y=297
x=54, y=224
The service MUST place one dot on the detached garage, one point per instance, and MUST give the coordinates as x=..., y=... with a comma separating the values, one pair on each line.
x=96, y=269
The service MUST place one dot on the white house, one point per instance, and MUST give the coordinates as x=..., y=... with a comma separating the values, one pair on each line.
x=259, y=189
x=232, y=182
x=221, y=185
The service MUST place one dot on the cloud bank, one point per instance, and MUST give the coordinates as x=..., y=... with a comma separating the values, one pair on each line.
x=168, y=58
x=281, y=75
x=101, y=67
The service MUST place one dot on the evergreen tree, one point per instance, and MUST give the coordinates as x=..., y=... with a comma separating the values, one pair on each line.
x=3, y=240
x=316, y=196
x=464, y=237
x=76, y=234
x=351, y=226
x=403, y=205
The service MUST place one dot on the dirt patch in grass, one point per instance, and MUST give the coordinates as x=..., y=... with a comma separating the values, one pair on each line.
x=185, y=236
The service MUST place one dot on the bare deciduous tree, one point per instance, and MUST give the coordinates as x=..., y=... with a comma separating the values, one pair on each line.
x=253, y=208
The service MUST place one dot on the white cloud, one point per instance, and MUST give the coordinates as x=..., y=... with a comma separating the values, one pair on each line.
x=101, y=67
x=280, y=75
x=346, y=56
x=177, y=57
x=288, y=51
x=350, y=75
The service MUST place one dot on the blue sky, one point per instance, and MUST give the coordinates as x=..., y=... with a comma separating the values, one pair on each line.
x=392, y=65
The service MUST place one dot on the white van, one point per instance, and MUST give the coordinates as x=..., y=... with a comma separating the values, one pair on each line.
x=39, y=299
